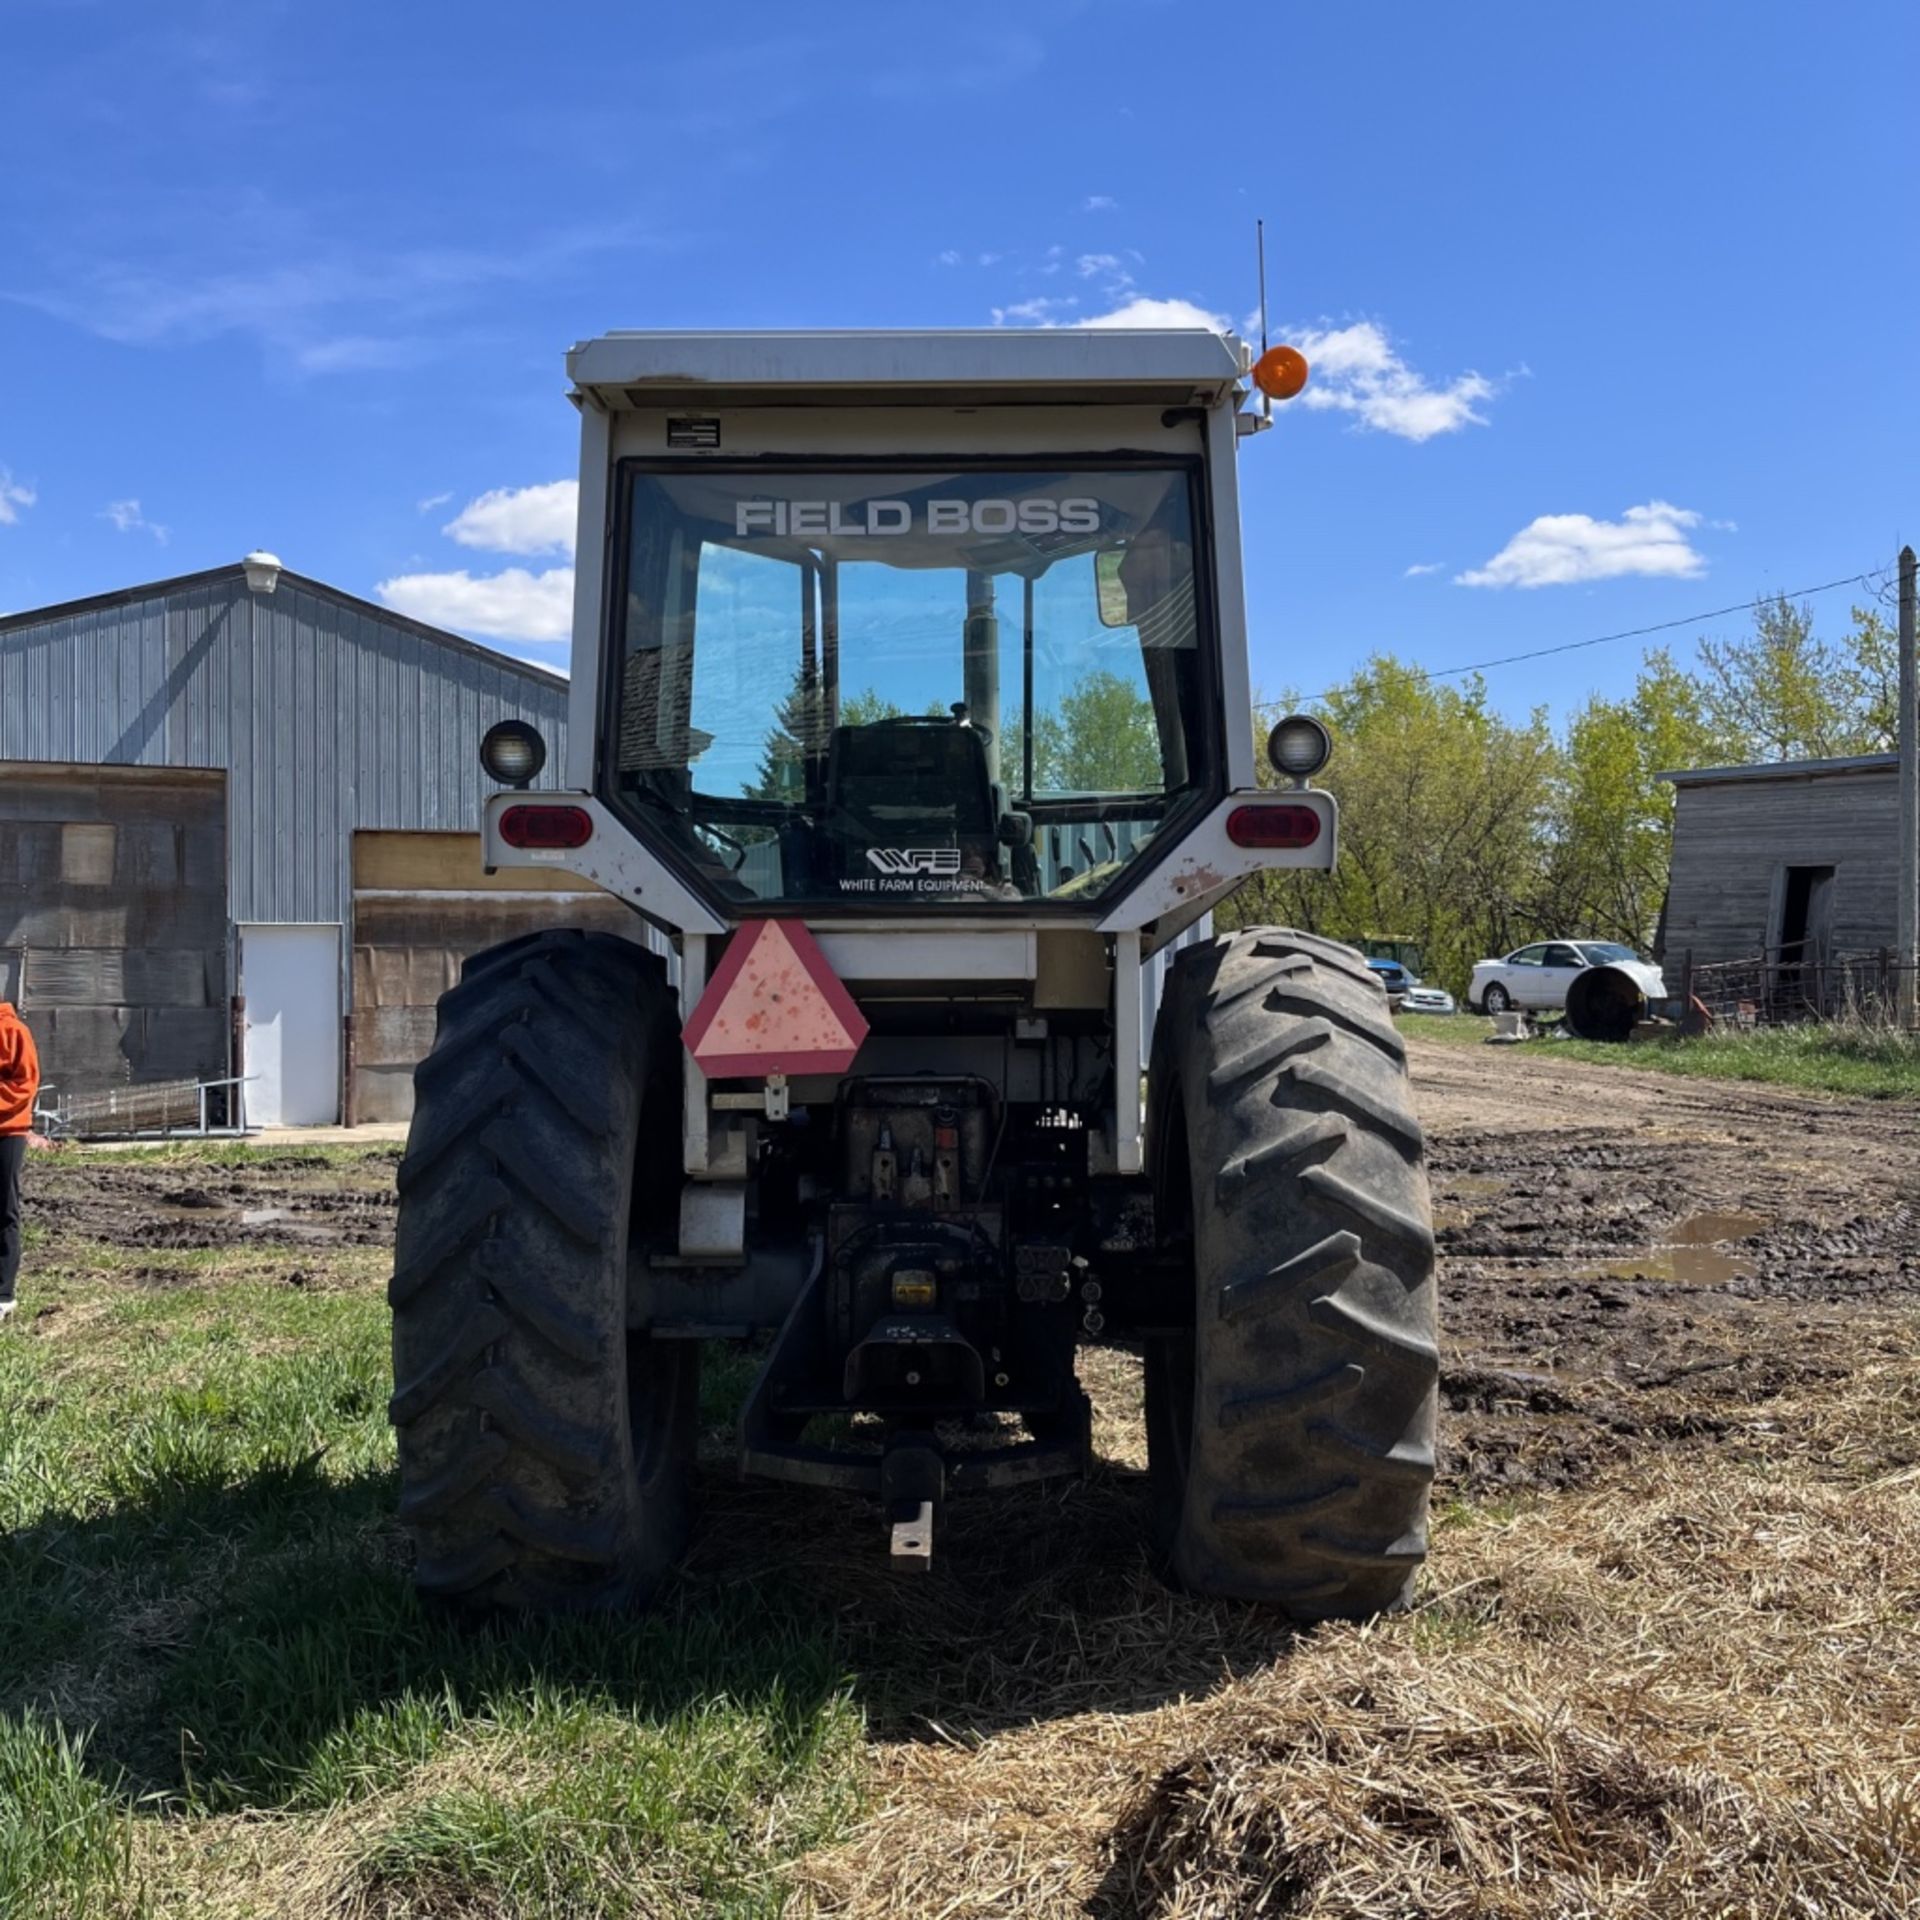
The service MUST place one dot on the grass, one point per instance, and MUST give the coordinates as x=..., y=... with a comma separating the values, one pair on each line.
x=1686, y=1693
x=1872, y=1062
x=209, y=1646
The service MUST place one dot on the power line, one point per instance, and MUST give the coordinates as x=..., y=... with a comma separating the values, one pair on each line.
x=1598, y=640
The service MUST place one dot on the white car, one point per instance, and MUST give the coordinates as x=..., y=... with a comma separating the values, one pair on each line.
x=1421, y=998
x=1539, y=976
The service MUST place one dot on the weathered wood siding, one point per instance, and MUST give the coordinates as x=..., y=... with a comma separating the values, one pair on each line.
x=113, y=921
x=1732, y=841
x=421, y=905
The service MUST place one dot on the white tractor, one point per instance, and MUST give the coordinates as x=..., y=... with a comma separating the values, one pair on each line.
x=910, y=712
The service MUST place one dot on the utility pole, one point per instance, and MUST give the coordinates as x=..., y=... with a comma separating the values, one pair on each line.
x=1907, y=938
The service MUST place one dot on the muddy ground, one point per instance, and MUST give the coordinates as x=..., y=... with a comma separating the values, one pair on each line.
x=150, y=1206
x=1627, y=1261
x=1631, y=1261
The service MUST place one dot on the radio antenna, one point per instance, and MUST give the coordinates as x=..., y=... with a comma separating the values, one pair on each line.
x=1260, y=248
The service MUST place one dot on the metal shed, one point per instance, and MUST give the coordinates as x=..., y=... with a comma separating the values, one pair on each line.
x=318, y=714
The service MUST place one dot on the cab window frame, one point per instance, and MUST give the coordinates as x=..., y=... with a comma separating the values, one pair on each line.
x=1185, y=807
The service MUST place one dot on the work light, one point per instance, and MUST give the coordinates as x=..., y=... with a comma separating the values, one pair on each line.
x=513, y=753
x=1299, y=746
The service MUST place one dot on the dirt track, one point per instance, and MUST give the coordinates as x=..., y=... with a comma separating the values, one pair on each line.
x=1632, y=1260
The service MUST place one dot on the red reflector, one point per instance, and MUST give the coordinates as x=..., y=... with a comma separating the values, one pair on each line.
x=1273, y=826
x=546, y=826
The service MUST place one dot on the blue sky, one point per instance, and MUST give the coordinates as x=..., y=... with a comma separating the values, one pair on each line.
x=1610, y=307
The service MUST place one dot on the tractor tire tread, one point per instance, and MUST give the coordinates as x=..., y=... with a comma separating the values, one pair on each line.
x=520, y=1461
x=483, y=1327
x=1304, y=1481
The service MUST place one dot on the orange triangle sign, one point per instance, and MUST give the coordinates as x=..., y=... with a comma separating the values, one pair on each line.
x=774, y=1006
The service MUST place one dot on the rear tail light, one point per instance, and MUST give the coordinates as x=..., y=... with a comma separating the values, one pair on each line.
x=541, y=827
x=1277, y=826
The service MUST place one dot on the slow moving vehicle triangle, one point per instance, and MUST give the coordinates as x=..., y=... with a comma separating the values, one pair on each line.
x=774, y=1005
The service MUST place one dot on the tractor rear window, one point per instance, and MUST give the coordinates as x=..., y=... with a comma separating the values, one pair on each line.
x=869, y=688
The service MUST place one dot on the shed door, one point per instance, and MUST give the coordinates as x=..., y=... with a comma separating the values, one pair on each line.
x=290, y=977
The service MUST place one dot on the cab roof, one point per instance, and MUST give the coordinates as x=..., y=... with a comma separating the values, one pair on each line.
x=1173, y=367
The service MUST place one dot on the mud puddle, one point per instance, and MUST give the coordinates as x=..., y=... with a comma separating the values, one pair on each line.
x=1702, y=1250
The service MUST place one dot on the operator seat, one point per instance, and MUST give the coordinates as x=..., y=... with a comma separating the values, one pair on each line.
x=910, y=782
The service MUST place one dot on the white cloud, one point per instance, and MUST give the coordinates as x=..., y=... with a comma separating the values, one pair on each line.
x=360, y=353
x=1425, y=566
x=159, y=273
x=512, y=605
x=1037, y=312
x=1144, y=312
x=1090, y=264
x=127, y=518
x=433, y=500
x=947, y=257
x=1560, y=549
x=1357, y=370
x=1099, y=203
x=519, y=519
x=14, y=496
x=1139, y=311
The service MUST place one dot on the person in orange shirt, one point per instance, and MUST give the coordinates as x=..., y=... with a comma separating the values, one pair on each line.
x=19, y=1088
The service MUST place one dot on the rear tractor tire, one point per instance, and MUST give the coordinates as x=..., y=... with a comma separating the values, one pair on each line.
x=545, y=1452
x=1290, y=1435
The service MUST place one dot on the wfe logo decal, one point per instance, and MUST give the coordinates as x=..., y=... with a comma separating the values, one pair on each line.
x=906, y=860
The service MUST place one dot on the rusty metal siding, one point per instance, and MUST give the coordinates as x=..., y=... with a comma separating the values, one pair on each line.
x=325, y=714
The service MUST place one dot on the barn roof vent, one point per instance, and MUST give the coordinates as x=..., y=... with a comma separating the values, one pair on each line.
x=263, y=571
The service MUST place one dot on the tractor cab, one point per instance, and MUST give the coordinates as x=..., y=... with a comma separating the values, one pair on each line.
x=910, y=715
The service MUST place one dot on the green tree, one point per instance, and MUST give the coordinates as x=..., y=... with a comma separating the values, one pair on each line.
x=1873, y=682
x=1102, y=738
x=1611, y=823
x=1784, y=694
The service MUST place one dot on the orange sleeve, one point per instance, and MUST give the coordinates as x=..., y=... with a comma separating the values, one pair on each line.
x=19, y=1066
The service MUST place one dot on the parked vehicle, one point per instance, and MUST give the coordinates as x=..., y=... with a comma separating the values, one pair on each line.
x=1397, y=979
x=1407, y=992
x=1537, y=977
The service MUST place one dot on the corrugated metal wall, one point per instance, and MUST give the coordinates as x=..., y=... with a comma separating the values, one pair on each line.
x=326, y=714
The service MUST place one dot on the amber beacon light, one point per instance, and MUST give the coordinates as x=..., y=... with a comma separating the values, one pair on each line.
x=1280, y=372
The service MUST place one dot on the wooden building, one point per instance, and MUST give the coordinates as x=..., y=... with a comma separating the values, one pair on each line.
x=1797, y=861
